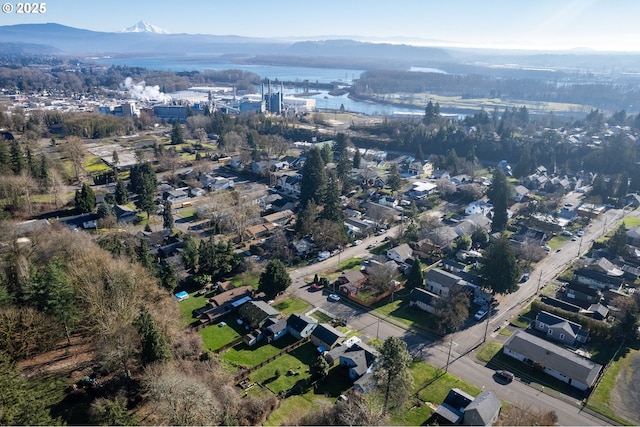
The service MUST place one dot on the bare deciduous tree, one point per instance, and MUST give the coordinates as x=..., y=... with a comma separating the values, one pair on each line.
x=524, y=415
x=75, y=152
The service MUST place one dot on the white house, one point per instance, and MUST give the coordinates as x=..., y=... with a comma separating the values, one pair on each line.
x=400, y=253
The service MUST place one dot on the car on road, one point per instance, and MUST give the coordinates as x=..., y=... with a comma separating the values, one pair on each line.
x=334, y=297
x=524, y=277
x=580, y=233
x=574, y=238
x=315, y=287
x=506, y=375
x=567, y=233
x=371, y=246
x=357, y=242
x=480, y=314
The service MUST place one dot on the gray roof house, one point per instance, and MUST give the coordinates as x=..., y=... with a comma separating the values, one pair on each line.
x=301, y=326
x=559, y=329
x=326, y=336
x=272, y=329
x=484, y=410
x=358, y=359
x=440, y=281
x=554, y=360
x=451, y=410
x=423, y=299
x=257, y=312
x=400, y=253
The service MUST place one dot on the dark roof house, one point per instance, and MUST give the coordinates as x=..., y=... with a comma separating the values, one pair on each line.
x=256, y=312
x=554, y=360
x=326, y=336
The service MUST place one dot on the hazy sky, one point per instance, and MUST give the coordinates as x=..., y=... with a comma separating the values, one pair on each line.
x=530, y=24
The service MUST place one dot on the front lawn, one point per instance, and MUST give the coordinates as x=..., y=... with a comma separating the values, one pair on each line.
x=292, y=305
x=400, y=310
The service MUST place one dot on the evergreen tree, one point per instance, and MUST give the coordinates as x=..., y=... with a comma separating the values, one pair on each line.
x=5, y=157
x=121, y=193
x=499, y=196
x=142, y=253
x=177, y=136
x=20, y=403
x=154, y=344
x=617, y=244
x=168, y=276
x=306, y=219
x=393, y=372
x=314, y=179
x=327, y=154
x=143, y=182
x=52, y=293
x=394, y=181
x=85, y=199
x=190, y=252
x=357, y=159
x=415, y=279
x=499, y=269
x=114, y=412
x=17, y=158
x=332, y=204
x=167, y=216
x=320, y=369
x=44, y=174
x=105, y=210
x=274, y=279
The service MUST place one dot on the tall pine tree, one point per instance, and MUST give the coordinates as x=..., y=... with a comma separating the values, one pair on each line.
x=314, y=179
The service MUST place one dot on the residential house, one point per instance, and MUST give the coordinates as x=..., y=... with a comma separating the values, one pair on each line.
x=603, y=265
x=326, y=337
x=441, y=174
x=478, y=207
x=303, y=247
x=633, y=236
x=279, y=218
x=596, y=311
x=388, y=201
x=461, y=408
x=484, y=410
x=559, y=329
x=274, y=329
x=175, y=195
x=422, y=189
x=358, y=359
x=301, y=326
x=400, y=254
x=85, y=221
x=365, y=383
x=351, y=281
x=423, y=299
x=255, y=313
x=440, y=282
x=420, y=169
x=632, y=200
x=520, y=193
x=357, y=227
x=125, y=213
x=216, y=183
x=595, y=278
x=535, y=182
x=582, y=294
x=290, y=184
x=452, y=265
x=197, y=192
x=554, y=360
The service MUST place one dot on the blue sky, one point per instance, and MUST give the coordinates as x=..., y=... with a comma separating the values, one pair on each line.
x=530, y=24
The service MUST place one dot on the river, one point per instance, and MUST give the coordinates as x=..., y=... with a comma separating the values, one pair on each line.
x=324, y=101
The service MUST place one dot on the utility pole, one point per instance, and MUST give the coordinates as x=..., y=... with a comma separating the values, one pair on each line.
x=446, y=368
x=539, y=283
x=486, y=326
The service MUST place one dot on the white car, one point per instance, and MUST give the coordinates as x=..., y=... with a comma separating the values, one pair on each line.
x=357, y=242
x=480, y=314
x=334, y=297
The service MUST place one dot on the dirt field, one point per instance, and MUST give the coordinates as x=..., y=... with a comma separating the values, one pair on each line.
x=62, y=359
x=625, y=397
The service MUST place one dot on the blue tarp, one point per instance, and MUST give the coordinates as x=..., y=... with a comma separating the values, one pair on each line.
x=182, y=295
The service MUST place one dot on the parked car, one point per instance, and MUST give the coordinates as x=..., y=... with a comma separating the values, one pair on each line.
x=567, y=233
x=480, y=301
x=480, y=314
x=507, y=375
x=357, y=242
x=371, y=246
x=524, y=277
x=580, y=233
x=314, y=287
x=334, y=297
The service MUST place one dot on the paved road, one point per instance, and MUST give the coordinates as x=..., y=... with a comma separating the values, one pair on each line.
x=456, y=347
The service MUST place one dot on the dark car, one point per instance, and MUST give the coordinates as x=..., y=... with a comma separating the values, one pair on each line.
x=506, y=375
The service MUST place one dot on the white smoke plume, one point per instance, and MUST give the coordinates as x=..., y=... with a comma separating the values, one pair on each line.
x=142, y=92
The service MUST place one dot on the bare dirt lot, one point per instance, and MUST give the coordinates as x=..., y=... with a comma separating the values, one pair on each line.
x=63, y=359
x=625, y=396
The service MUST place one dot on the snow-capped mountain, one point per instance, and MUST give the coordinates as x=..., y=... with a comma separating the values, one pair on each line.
x=144, y=27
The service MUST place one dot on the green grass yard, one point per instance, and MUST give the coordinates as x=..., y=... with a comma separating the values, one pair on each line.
x=245, y=356
x=215, y=336
x=291, y=305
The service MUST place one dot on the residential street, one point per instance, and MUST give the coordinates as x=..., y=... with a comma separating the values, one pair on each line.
x=459, y=345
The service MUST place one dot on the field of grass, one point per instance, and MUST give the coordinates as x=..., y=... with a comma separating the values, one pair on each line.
x=95, y=165
x=321, y=317
x=246, y=279
x=297, y=361
x=400, y=311
x=599, y=399
x=489, y=351
x=292, y=305
x=187, y=306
